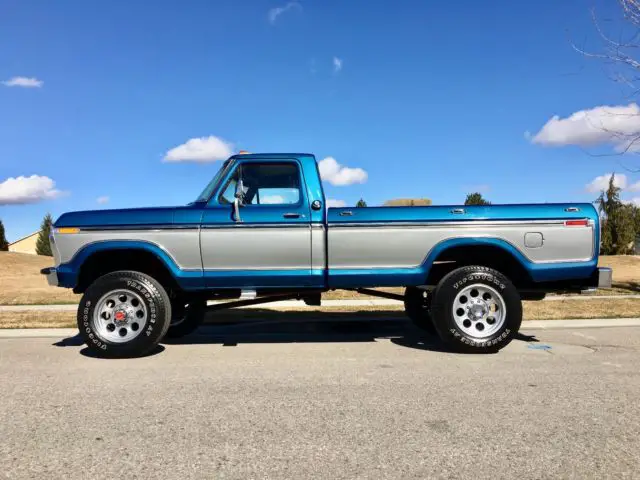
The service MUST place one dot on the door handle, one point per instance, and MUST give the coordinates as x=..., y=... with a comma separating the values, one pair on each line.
x=346, y=213
x=292, y=215
x=457, y=210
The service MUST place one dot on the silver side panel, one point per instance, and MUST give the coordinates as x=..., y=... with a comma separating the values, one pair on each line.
x=408, y=246
x=318, y=250
x=183, y=245
x=256, y=248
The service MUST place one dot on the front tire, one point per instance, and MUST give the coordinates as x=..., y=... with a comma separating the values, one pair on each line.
x=476, y=309
x=124, y=314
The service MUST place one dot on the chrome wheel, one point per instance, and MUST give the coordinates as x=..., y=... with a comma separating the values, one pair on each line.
x=479, y=310
x=119, y=316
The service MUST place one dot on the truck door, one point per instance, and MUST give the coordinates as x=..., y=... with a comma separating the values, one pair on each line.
x=268, y=242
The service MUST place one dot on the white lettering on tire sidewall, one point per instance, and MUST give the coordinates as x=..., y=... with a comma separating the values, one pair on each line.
x=493, y=281
x=479, y=277
x=87, y=310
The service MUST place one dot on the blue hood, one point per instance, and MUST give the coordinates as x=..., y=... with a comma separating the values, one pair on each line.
x=133, y=217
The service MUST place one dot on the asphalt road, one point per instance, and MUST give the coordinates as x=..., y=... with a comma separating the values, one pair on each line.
x=332, y=400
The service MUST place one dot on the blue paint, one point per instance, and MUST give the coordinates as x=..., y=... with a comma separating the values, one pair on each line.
x=539, y=346
x=209, y=212
x=226, y=279
x=133, y=217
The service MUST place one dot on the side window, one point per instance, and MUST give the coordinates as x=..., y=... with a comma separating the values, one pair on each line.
x=229, y=192
x=265, y=184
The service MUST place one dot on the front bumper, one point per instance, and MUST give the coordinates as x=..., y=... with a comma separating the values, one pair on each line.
x=605, y=277
x=51, y=274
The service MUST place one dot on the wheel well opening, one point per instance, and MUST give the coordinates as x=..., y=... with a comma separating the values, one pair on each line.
x=484, y=255
x=101, y=263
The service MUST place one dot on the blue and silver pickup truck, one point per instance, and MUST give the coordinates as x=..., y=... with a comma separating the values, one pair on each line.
x=260, y=231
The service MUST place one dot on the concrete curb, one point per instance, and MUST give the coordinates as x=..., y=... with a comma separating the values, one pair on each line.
x=526, y=325
x=300, y=303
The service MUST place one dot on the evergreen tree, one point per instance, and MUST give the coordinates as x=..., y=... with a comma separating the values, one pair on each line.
x=361, y=203
x=43, y=247
x=4, y=245
x=618, y=222
x=476, y=198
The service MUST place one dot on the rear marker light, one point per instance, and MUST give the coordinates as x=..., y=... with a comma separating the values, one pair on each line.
x=576, y=223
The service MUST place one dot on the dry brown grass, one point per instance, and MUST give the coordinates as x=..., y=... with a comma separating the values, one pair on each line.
x=626, y=270
x=37, y=319
x=574, y=309
x=22, y=284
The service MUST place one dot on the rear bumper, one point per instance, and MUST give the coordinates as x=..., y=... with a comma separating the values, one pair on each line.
x=605, y=277
x=51, y=274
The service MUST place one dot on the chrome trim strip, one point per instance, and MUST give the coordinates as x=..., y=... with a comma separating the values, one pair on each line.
x=468, y=223
x=137, y=228
x=259, y=269
x=231, y=226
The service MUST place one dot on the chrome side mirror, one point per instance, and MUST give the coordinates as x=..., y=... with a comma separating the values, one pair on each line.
x=240, y=190
x=238, y=201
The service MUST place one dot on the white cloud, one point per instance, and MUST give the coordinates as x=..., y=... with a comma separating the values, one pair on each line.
x=615, y=125
x=601, y=183
x=274, y=13
x=338, y=175
x=635, y=187
x=25, y=82
x=332, y=203
x=634, y=201
x=22, y=190
x=202, y=150
x=337, y=64
x=102, y=200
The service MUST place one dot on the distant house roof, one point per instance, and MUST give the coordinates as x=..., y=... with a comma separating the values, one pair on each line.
x=25, y=237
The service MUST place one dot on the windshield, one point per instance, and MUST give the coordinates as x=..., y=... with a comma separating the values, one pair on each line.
x=206, y=193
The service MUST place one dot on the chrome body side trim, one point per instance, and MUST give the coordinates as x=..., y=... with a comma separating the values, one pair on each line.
x=239, y=225
x=453, y=224
x=138, y=228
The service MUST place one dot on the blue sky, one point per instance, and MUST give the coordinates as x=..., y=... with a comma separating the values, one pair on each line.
x=426, y=99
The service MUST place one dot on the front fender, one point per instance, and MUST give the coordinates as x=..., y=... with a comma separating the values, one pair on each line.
x=69, y=272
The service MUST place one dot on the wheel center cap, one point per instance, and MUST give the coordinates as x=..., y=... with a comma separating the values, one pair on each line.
x=477, y=311
x=120, y=317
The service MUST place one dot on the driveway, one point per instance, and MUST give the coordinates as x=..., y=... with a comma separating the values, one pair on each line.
x=324, y=400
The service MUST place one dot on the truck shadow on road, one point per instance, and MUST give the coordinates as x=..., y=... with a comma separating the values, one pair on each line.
x=269, y=326
x=256, y=326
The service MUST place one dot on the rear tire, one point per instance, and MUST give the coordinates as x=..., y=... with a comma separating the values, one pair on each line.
x=476, y=309
x=186, y=318
x=417, y=306
x=124, y=314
